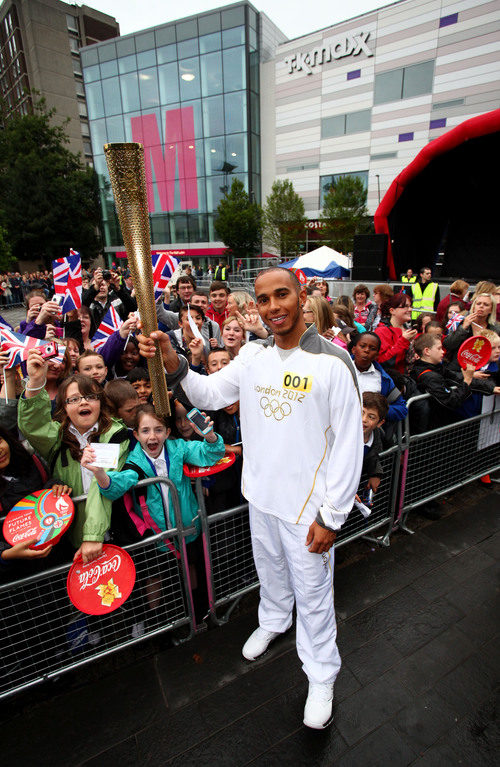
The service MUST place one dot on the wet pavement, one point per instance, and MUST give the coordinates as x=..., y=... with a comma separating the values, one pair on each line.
x=418, y=634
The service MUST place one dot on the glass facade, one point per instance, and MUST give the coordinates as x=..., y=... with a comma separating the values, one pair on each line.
x=189, y=91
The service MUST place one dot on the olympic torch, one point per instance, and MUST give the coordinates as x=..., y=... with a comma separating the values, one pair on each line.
x=128, y=181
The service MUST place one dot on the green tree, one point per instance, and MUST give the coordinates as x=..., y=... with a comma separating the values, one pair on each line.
x=48, y=199
x=6, y=258
x=344, y=212
x=239, y=222
x=284, y=219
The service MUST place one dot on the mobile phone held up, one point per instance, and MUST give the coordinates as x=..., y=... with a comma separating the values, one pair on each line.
x=198, y=420
x=49, y=350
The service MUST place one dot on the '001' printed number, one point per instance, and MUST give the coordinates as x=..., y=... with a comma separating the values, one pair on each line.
x=299, y=383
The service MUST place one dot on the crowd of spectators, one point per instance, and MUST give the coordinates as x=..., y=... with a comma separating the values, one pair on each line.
x=53, y=412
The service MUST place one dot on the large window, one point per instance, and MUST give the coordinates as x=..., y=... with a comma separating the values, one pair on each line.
x=200, y=64
x=404, y=83
x=326, y=182
x=341, y=125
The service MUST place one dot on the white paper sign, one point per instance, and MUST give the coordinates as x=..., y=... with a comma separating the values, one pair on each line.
x=192, y=324
x=106, y=455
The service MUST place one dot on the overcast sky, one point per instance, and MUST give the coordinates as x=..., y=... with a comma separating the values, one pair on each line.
x=293, y=17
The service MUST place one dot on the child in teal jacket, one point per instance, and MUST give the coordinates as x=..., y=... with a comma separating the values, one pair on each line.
x=157, y=455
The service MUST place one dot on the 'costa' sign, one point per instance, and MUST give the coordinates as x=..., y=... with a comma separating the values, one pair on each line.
x=349, y=45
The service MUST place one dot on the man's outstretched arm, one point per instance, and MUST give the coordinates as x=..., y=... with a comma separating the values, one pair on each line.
x=208, y=392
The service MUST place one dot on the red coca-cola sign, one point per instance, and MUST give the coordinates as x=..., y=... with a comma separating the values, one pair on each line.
x=475, y=351
x=102, y=586
x=205, y=471
x=40, y=515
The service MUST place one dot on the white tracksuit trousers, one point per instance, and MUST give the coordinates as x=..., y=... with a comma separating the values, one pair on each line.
x=288, y=571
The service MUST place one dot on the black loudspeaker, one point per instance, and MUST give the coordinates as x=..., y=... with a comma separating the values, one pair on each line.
x=369, y=257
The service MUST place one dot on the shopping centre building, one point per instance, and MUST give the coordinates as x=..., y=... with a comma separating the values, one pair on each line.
x=225, y=94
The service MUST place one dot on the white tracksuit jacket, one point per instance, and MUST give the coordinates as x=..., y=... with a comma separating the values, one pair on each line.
x=300, y=424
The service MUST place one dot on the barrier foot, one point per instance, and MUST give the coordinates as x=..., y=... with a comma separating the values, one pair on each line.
x=383, y=541
x=404, y=527
x=224, y=619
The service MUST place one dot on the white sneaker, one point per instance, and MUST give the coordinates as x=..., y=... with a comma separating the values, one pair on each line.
x=257, y=643
x=318, y=708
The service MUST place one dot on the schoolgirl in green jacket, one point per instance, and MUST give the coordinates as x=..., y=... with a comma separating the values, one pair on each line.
x=81, y=416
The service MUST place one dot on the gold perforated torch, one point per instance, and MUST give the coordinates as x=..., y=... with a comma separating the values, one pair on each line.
x=128, y=181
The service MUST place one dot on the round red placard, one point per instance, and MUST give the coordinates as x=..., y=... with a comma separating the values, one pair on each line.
x=205, y=471
x=475, y=351
x=103, y=585
x=39, y=515
x=300, y=276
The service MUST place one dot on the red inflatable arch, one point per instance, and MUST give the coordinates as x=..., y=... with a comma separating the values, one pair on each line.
x=446, y=200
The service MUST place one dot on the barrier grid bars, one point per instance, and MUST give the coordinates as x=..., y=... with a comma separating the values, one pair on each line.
x=444, y=459
x=227, y=548
x=42, y=635
x=227, y=542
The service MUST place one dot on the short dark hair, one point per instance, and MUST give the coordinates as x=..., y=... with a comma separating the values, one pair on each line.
x=193, y=308
x=361, y=289
x=185, y=278
x=118, y=391
x=201, y=292
x=425, y=341
x=293, y=277
x=216, y=350
x=360, y=336
x=424, y=269
x=377, y=402
x=138, y=374
x=219, y=285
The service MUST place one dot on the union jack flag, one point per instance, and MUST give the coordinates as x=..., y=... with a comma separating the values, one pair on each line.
x=163, y=268
x=68, y=280
x=454, y=322
x=109, y=324
x=5, y=324
x=17, y=345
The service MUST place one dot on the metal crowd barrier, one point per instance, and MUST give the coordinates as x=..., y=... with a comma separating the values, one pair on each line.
x=442, y=460
x=42, y=635
x=227, y=542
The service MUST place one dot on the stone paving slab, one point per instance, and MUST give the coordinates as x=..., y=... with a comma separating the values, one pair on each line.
x=418, y=634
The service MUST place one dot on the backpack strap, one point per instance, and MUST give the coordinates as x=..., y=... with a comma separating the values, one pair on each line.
x=41, y=468
x=119, y=437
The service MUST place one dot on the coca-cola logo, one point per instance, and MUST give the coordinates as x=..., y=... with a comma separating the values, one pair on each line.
x=471, y=357
x=24, y=535
x=93, y=573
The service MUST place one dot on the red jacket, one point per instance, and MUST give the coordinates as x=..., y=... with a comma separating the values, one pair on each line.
x=393, y=347
x=443, y=305
x=215, y=316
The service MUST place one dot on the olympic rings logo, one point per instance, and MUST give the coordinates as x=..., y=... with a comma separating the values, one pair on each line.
x=275, y=409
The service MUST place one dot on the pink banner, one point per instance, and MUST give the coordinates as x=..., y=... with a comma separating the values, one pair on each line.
x=179, y=151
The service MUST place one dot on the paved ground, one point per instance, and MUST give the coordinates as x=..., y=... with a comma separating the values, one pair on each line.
x=418, y=634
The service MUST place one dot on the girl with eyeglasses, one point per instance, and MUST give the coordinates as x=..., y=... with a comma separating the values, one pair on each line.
x=82, y=415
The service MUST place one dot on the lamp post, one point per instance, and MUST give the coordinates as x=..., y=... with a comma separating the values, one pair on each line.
x=378, y=186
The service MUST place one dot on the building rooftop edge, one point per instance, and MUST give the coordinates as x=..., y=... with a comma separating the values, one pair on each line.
x=176, y=21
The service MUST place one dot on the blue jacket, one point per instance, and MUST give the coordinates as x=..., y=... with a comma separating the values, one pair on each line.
x=179, y=452
x=397, y=405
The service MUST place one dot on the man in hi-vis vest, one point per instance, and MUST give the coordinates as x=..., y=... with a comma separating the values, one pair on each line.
x=409, y=276
x=425, y=293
